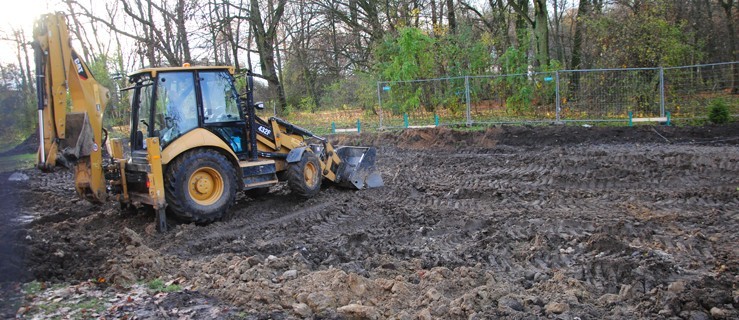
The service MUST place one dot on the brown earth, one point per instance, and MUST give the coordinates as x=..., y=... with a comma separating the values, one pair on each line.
x=511, y=222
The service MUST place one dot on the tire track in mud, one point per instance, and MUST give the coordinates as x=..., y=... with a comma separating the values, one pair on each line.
x=658, y=183
x=610, y=218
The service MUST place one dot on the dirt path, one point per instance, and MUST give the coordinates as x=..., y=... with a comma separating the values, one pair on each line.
x=510, y=222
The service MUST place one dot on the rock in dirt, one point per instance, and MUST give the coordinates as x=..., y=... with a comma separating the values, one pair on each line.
x=510, y=302
x=676, y=287
x=130, y=237
x=320, y=301
x=433, y=295
x=18, y=176
x=302, y=310
x=290, y=274
x=609, y=298
x=666, y=312
x=719, y=313
x=424, y=314
x=556, y=307
x=358, y=312
x=698, y=315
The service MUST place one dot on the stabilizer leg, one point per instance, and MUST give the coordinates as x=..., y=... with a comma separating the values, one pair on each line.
x=161, y=220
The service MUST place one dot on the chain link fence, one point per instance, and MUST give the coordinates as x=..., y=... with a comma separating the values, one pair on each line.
x=597, y=95
x=689, y=90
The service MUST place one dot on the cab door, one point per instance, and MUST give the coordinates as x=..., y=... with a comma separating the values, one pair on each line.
x=221, y=112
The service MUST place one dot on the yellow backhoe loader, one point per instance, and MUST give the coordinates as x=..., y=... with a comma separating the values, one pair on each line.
x=194, y=140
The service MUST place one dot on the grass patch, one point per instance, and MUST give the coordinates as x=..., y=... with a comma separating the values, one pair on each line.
x=93, y=304
x=157, y=285
x=16, y=162
x=86, y=306
x=33, y=287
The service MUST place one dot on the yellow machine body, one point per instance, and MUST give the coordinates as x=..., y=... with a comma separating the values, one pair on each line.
x=187, y=153
x=68, y=130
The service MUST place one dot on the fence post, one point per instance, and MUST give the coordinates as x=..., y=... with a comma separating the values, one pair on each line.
x=359, y=126
x=661, y=91
x=405, y=120
x=379, y=103
x=557, y=104
x=467, y=98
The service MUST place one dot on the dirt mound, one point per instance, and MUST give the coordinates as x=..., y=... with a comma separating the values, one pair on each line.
x=30, y=145
x=510, y=222
x=544, y=135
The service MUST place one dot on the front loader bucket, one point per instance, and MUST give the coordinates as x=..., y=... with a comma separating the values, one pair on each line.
x=357, y=168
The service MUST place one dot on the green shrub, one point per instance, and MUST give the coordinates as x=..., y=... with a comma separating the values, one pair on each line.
x=718, y=112
x=307, y=104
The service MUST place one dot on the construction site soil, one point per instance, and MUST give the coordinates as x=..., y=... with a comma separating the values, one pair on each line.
x=515, y=222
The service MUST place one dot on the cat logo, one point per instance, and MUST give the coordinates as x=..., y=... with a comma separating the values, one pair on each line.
x=78, y=64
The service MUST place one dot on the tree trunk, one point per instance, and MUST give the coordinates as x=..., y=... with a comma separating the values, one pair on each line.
x=557, y=26
x=265, y=40
x=540, y=24
x=150, y=49
x=522, y=28
x=213, y=23
x=582, y=12
x=728, y=5
x=541, y=32
x=334, y=43
x=20, y=42
x=451, y=16
x=182, y=31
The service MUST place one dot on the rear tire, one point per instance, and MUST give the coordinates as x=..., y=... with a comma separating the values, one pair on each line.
x=200, y=186
x=304, y=177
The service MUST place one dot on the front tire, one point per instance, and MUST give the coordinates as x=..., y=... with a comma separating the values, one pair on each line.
x=304, y=177
x=200, y=186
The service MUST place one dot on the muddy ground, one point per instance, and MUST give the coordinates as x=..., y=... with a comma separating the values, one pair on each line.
x=510, y=222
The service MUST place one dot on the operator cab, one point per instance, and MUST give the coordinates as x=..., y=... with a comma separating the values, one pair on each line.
x=169, y=102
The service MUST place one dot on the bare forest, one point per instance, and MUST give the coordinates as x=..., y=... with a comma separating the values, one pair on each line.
x=328, y=54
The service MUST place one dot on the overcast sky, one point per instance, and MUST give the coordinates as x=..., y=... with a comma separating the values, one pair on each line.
x=20, y=14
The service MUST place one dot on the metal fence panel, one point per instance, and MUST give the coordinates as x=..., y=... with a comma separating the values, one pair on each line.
x=422, y=102
x=566, y=96
x=609, y=94
x=690, y=89
x=513, y=98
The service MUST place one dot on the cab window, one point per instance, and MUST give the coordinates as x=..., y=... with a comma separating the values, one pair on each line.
x=219, y=97
x=176, y=106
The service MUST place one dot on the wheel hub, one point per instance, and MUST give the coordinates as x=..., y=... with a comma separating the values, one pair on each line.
x=205, y=186
x=310, y=174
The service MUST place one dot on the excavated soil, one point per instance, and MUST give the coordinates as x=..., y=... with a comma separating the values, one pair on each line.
x=512, y=222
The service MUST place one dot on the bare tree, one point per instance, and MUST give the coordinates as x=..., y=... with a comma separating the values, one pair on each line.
x=265, y=32
x=540, y=26
x=728, y=6
x=160, y=28
x=496, y=21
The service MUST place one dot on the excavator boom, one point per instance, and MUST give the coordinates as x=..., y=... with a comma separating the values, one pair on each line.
x=70, y=134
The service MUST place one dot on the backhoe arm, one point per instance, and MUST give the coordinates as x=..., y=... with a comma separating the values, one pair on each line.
x=68, y=133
